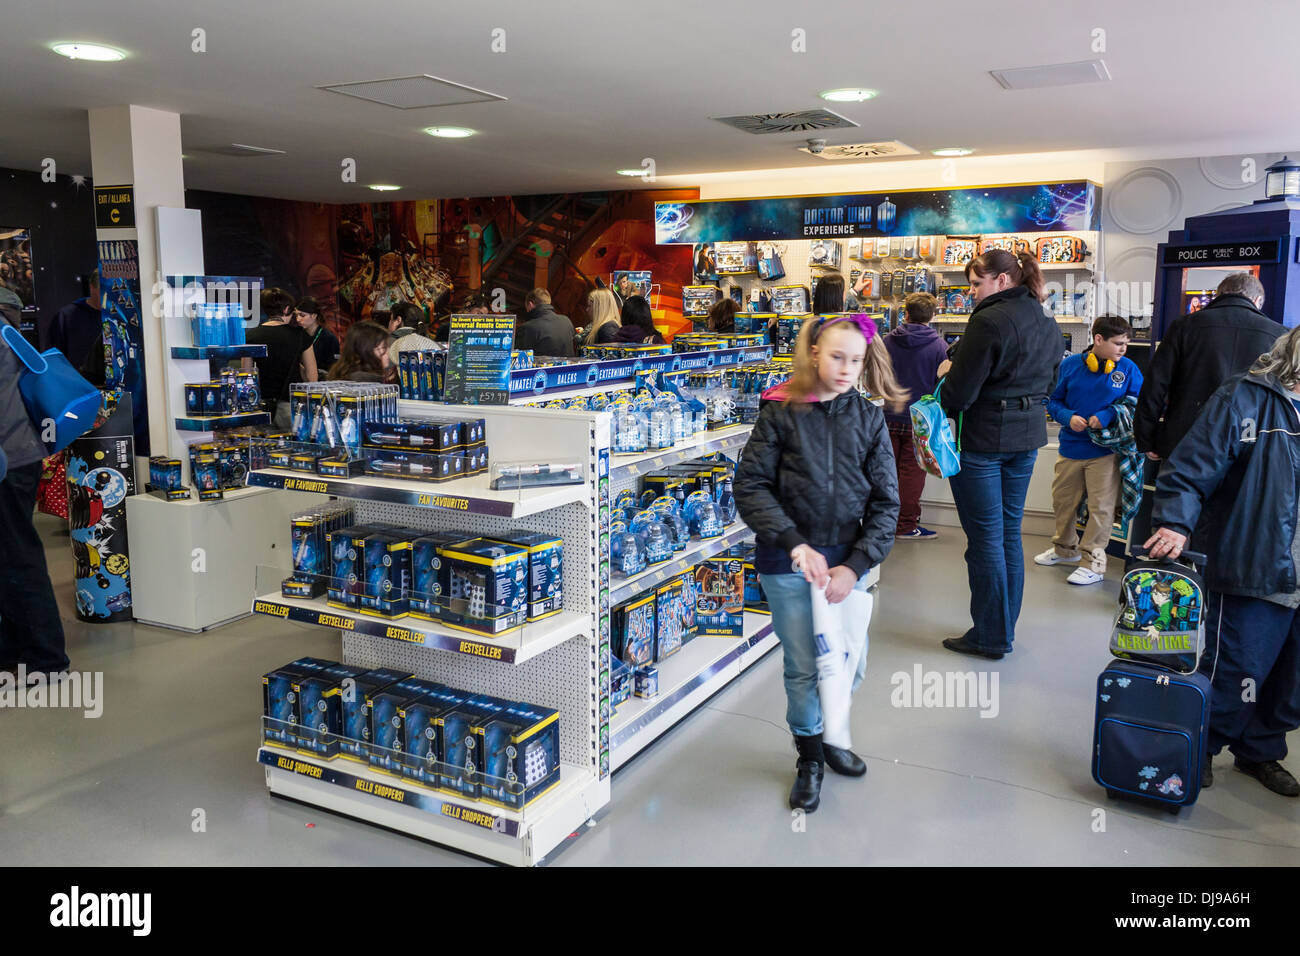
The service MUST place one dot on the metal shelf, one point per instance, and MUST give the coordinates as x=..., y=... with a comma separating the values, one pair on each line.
x=623, y=588
x=1042, y=266
x=687, y=679
x=706, y=443
x=209, y=424
x=218, y=351
x=514, y=647
x=464, y=494
x=520, y=837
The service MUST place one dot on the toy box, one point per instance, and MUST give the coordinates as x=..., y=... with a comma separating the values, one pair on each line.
x=441, y=466
x=280, y=699
x=633, y=630
x=426, y=436
x=320, y=710
x=521, y=755
x=787, y=332
x=430, y=577
x=646, y=682
x=545, y=570
x=790, y=299
x=720, y=596
x=354, y=719
x=345, y=547
x=698, y=299
x=422, y=747
x=669, y=616
x=735, y=258
x=487, y=588
x=386, y=571
x=461, y=732
x=165, y=478
x=824, y=253
x=476, y=460
x=384, y=717
x=690, y=619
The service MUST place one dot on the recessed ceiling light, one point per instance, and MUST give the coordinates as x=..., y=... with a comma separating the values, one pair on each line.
x=638, y=171
x=848, y=95
x=952, y=151
x=382, y=188
x=88, y=51
x=449, y=132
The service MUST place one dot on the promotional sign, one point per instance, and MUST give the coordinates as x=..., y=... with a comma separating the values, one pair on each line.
x=16, y=269
x=114, y=207
x=1210, y=253
x=101, y=476
x=119, y=287
x=1033, y=207
x=478, y=360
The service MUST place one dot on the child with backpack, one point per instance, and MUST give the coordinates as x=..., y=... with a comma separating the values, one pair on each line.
x=1089, y=386
x=817, y=484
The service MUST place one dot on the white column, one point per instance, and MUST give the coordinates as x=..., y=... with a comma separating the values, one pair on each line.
x=141, y=147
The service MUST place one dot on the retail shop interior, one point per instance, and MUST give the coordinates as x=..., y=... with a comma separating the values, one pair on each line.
x=408, y=567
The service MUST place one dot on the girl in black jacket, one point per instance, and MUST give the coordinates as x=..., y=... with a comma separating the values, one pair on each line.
x=1002, y=372
x=817, y=484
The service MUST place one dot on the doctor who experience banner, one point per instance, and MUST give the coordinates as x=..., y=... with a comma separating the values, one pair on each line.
x=1031, y=207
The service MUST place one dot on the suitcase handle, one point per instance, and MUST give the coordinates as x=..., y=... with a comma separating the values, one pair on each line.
x=1184, y=557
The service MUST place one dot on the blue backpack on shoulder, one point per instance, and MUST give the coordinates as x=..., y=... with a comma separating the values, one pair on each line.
x=53, y=392
x=938, y=451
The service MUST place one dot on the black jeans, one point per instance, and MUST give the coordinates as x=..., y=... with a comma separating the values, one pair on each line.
x=31, y=631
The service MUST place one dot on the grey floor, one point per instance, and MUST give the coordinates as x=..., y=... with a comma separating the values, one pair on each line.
x=945, y=786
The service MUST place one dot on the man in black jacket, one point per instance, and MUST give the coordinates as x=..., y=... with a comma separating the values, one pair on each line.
x=1234, y=479
x=543, y=329
x=1198, y=354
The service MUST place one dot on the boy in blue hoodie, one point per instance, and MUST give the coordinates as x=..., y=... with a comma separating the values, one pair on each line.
x=1089, y=385
x=917, y=351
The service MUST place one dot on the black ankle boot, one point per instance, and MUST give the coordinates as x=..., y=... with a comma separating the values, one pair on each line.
x=844, y=762
x=806, y=793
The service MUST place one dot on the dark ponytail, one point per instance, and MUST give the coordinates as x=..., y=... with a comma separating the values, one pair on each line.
x=1020, y=267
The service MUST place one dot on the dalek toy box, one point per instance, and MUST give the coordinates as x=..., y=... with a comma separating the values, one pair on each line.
x=487, y=586
x=521, y=755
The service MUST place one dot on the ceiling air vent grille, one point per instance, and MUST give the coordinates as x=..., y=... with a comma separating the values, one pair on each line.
x=804, y=121
x=861, y=151
x=413, y=92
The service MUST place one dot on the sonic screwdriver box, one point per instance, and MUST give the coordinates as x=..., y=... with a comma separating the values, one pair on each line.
x=545, y=570
x=354, y=740
x=280, y=699
x=384, y=716
x=422, y=747
x=425, y=436
x=487, y=590
x=521, y=755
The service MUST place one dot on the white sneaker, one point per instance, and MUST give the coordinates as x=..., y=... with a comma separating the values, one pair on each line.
x=1050, y=557
x=1084, y=576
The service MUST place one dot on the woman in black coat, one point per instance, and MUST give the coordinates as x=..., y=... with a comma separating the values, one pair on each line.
x=1002, y=372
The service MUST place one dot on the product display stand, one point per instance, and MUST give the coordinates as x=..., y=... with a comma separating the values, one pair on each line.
x=561, y=662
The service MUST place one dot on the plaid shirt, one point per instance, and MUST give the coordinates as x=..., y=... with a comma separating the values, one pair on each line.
x=1119, y=439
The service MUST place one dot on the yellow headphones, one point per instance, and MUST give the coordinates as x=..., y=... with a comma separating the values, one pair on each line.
x=1090, y=360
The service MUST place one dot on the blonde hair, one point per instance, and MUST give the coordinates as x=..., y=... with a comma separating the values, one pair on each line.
x=1283, y=361
x=877, y=379
x=602, y=309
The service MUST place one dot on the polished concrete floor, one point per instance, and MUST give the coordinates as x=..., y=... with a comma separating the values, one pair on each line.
x=945, y=785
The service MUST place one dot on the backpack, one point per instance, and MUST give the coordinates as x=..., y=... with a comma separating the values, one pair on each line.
x=938, y=452
x=1161, y=618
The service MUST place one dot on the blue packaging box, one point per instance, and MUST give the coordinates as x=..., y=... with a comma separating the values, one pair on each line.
x=430, y=574
x=462, y=732
x=346, y=546
x=720, y=596
x=354, y=739
x=280, y=699
x=633, y=630
x=545, y=570
x=384, y=716
x=488, y=586
x=669, y=619
x=521, y=755
x=422, y=744
x=386, y=570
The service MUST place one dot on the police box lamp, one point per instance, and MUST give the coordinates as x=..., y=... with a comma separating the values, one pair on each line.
x=1282, y=181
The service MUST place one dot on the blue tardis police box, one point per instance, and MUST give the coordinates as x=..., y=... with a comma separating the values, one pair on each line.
x=1262, y=239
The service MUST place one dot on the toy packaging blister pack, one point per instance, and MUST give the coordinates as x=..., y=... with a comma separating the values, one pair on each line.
x=521, y=755
x=354, y=741
x=790, y=299
x=430, y=574
x=633, y=630
x=422, y=745
x=384, y=714
x=669, y=619
x=280, y=704
x=386, y=572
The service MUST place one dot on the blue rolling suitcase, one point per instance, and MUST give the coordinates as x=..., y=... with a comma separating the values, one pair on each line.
x=1153, y=709
x=1149, y=739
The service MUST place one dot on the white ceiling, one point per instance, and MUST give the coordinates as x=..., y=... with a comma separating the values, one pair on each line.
x=593, y=87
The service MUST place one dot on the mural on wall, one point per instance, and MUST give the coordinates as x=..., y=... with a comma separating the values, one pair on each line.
x=16, y=287
x=357, y=258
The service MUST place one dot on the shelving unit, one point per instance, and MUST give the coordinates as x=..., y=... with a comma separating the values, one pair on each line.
x=222, y=352
x=214, y=422
x=561, y=662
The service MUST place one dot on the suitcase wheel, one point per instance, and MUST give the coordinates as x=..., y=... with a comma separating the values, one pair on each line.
x=1173, y=810
x=1112, y=795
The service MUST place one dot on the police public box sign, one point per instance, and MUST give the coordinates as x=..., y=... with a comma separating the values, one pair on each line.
x=1210, y=253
